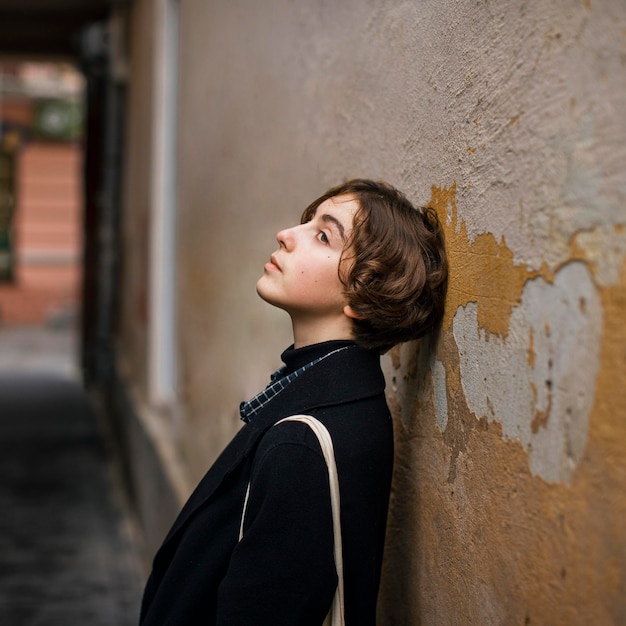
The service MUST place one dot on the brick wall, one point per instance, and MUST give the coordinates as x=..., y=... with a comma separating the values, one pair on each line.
x=47, y=236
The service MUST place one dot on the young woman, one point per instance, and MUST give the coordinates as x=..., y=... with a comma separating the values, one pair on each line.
x=364, y=270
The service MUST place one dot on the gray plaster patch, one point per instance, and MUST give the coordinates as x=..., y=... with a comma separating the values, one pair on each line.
x=441, y=399
x=539, y=381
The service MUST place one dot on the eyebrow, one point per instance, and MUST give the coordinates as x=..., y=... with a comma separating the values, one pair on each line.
x=326, y=218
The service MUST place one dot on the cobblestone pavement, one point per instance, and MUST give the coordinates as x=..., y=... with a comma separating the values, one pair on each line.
x=67, y=551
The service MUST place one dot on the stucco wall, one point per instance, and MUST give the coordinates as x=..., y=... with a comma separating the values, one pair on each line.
x=136, y=211
x=508, y=117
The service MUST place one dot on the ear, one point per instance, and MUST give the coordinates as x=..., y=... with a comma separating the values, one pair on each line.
x=348, y=311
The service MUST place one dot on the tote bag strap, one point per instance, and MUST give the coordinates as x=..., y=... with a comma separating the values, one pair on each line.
x=326, y=443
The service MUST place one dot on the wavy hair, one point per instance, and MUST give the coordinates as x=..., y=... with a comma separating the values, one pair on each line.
x=393, y=267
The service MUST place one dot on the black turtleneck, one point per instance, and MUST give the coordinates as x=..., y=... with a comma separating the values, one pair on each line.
x=294, y=358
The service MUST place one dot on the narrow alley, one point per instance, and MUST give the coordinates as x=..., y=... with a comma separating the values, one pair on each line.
x=68, y=550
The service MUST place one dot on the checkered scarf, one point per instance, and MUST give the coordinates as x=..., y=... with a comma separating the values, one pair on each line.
x=278, y=382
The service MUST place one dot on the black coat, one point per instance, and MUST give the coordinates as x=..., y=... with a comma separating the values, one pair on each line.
x=282, y=572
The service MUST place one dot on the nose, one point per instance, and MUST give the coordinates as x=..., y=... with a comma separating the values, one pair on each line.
x=286, y=237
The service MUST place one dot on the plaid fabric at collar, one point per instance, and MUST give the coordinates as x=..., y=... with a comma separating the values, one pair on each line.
x=249, y=409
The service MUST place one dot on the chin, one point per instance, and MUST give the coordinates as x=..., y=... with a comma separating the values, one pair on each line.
x=267, y=297
x=262, y=293
x=259, y=287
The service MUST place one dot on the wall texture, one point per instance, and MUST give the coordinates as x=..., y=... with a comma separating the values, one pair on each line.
x=135, y=217
x=509, y=497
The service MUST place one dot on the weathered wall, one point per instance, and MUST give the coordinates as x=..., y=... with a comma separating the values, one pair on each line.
x=135, y=214
x=510, y=490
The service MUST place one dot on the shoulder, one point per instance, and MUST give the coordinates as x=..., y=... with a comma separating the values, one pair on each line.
x=287, y=437
x=288, y=457
x=361, y=432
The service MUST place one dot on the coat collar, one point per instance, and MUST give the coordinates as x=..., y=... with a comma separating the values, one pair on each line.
x=322, y=385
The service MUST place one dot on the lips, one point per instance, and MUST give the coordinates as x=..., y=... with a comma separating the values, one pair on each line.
x=273, y=263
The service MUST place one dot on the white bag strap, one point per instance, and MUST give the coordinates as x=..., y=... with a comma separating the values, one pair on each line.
x=326, y=443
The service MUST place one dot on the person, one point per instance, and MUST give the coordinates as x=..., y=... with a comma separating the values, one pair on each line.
x=363, y=271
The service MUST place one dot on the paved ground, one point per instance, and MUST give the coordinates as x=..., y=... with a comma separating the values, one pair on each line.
x=67, y=554
x=39, y=350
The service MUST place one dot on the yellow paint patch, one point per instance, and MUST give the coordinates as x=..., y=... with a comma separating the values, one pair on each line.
x=482, y=271
x=610, y=397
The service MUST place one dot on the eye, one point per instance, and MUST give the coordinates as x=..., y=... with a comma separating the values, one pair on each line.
x=323, y=237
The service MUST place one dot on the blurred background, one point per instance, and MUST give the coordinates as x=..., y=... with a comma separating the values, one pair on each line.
x=41, y=200
x=69, y=547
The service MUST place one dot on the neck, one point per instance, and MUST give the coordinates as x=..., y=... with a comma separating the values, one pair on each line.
x=311, y=331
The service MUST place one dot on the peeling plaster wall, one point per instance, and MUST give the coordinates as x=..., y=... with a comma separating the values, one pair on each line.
x=546, y=367
x=509, y=494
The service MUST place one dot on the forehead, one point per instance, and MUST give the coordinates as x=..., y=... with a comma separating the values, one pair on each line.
x=342, y=208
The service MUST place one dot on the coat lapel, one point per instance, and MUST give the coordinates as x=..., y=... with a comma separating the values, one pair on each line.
x=321, y=385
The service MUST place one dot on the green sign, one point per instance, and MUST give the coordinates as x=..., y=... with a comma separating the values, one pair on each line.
x=60, y=120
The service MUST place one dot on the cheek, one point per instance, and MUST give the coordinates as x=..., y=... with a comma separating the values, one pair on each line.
x=320, y=283
x=320, y=273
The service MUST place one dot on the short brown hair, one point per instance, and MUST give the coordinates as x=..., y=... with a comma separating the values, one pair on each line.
x=394, y=266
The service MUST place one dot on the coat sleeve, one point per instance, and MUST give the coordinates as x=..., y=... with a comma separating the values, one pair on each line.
x=282, y=572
